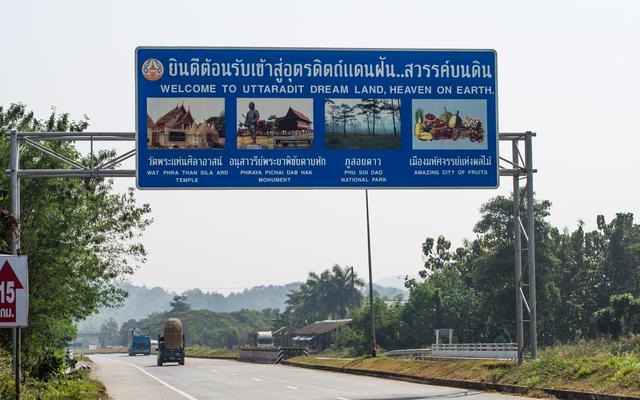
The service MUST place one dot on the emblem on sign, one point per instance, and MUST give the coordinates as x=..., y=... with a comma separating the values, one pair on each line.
x=152, y=69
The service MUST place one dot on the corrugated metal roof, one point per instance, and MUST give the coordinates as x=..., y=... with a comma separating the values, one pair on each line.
x=321, y=327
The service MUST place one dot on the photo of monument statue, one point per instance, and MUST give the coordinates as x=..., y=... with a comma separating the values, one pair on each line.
x=266, y=124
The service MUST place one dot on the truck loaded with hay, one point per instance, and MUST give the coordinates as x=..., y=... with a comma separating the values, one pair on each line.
x=171, y=342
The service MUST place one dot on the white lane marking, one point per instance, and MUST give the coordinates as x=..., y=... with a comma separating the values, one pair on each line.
x=291, y=387
x=257, y=379
x=175, y=389
x=232, y=374
x=342, y=398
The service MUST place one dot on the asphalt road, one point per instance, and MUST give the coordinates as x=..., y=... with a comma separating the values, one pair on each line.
x=138, y=378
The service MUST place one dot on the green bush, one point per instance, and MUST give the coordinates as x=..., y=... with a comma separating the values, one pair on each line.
x=50, y=365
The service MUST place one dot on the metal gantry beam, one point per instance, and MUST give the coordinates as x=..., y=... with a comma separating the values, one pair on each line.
x=520, y=168
x=77, y=170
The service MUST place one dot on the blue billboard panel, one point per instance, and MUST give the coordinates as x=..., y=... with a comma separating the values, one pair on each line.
x=215, y=118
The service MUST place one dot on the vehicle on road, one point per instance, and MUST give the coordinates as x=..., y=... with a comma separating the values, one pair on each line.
x=261, y=339
x=138, y=344
x=264, y=340
x=171, y=342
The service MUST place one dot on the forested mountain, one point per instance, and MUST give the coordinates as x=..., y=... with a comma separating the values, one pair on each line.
x=256, y=298
x=142, y=301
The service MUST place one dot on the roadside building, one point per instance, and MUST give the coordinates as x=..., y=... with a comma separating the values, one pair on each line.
x=318, y=335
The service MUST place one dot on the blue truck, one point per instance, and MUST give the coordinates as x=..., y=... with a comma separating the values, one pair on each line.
x=138, y=344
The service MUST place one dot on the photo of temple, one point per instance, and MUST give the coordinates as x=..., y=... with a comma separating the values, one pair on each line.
x=178, y=128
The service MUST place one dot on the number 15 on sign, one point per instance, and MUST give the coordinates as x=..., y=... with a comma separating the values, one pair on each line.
x=8, y=294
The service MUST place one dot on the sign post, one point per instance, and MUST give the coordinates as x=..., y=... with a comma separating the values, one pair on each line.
x=15, y=244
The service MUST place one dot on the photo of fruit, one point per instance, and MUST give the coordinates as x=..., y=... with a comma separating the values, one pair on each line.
x=449, y=124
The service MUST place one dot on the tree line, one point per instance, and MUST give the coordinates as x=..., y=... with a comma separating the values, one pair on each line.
x=201, y=327
x=588, y=285
x=80, y=236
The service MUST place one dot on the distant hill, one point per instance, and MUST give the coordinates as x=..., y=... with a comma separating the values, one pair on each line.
x=396, y=281
x=388, y=292
x=257, y=298
x=143, y=301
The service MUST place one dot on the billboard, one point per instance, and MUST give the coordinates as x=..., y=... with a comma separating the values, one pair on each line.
x=215, y=118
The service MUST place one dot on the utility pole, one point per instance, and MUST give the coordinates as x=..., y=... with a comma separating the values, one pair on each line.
x=371, y=310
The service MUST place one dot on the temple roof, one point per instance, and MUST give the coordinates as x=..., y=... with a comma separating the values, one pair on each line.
x=150, y=123
x=176, y=118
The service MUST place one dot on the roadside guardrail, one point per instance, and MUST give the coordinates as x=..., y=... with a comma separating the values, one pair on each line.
x=506, y=351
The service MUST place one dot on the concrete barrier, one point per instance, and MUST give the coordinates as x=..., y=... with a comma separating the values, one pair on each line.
x=259, y=355
x=273, y=356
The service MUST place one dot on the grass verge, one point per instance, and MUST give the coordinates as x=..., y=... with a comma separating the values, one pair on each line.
x=599, y=374
x=77, y=385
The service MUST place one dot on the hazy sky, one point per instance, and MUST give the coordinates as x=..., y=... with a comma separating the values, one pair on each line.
x=567, y=70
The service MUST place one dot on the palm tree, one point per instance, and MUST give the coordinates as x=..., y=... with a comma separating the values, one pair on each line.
x=344, y=291
x=328, y=295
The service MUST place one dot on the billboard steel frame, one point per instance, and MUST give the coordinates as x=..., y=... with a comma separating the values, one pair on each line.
x=518, y=167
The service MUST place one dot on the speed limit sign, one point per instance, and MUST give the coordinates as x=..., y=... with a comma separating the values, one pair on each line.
x=14, y=291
